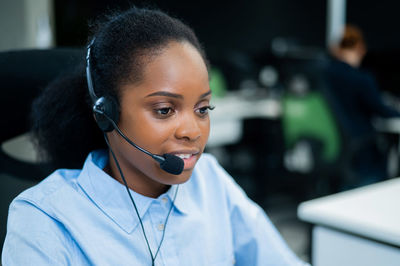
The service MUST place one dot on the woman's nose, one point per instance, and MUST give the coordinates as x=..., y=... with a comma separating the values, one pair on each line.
x=188, y=128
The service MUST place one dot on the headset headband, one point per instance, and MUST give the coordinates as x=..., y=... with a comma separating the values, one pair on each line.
x=88, y=73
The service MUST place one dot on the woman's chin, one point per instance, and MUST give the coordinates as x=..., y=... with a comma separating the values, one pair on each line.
x=181, y=178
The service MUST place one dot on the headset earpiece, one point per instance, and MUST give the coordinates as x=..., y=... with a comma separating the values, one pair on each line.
x=106, y=106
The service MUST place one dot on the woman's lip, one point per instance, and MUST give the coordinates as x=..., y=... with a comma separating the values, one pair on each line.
x=193, y=152
x=190, y=162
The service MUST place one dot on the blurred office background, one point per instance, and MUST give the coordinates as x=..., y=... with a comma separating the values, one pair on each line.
x=273, y=129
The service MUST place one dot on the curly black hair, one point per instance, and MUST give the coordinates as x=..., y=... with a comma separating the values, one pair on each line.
x=63, y=126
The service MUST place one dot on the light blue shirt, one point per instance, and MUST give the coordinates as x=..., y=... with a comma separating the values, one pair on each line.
x=85, y=217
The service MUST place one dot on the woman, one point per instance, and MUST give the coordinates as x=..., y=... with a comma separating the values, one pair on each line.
x=356, y=99
x=148, y=83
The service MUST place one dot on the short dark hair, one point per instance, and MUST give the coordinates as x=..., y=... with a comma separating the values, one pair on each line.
x=63, y=127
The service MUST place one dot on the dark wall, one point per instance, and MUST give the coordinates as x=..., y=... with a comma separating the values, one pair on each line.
x=248, y=26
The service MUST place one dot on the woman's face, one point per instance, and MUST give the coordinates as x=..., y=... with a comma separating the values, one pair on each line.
x=165, y=113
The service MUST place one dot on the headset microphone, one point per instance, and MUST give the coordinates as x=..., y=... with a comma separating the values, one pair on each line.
x=172, y=164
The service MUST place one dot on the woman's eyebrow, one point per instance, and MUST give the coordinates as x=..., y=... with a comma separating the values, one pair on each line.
x=174, y=95
x=205, y=94
x=165, y=93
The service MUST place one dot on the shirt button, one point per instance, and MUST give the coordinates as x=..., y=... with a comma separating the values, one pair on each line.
x=160, y=227
x=165, y=200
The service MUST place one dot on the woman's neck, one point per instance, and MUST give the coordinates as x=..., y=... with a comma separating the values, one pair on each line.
x=143, y=186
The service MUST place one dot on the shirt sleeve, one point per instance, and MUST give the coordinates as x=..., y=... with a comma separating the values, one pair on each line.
x=256, y=240
x=34, y=238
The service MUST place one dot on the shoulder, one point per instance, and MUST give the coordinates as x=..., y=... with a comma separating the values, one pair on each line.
x=41, y=202
x=368, y=76
x=45, y=190
x=34, y=230
x=36, y=203
x=61, y=186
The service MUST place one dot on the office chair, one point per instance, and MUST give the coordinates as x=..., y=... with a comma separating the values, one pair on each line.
x=23, y=74
x=314, y=127
x=309, y=116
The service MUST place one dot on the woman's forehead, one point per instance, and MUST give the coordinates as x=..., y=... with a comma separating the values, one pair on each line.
x=176, y=58
x=179, y=67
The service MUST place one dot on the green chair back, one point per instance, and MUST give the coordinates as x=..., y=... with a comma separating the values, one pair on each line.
x=310, y=116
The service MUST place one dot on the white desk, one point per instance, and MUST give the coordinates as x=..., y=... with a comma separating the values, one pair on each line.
x=390, y=126
x=230, y=111
x=357, y=227
x=387, y=125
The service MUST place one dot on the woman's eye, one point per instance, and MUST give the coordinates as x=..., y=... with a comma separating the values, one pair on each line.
x=204, y=110
x=164, y=111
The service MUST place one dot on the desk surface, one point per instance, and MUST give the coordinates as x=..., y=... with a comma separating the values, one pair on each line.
x=230, y=111
x=372, y=211
x=234, y=107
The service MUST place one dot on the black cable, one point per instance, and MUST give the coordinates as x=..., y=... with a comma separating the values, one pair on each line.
x=135, y=207
x=166, y=221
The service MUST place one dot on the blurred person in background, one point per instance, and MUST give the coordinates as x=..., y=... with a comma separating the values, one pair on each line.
x=356, y=97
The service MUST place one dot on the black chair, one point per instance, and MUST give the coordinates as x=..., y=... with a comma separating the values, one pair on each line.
x=23, y=74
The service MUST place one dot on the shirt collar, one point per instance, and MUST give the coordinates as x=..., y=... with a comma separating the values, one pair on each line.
x=112, y=198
